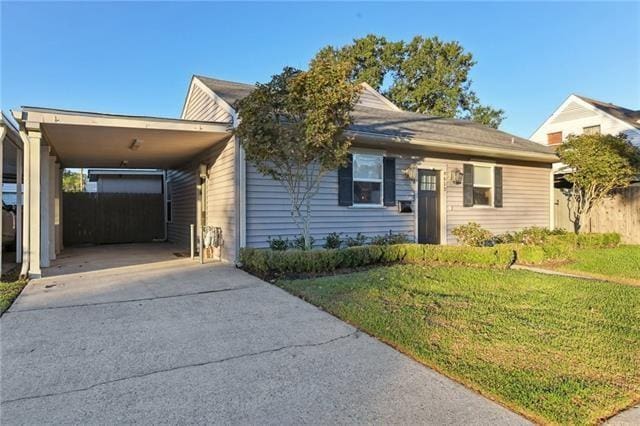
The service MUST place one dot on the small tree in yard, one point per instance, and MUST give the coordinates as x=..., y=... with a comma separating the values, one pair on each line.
x=291, y=129
x=600, y=165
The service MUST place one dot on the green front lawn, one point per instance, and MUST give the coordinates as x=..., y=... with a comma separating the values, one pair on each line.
x=620, y=264
x=559, y=350
x=8, y=293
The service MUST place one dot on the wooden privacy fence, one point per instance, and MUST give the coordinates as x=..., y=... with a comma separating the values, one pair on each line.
x=619, y=214
x=105, y=218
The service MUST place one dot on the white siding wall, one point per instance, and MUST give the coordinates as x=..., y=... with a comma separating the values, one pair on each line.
x=575, y=117
x=525, y=193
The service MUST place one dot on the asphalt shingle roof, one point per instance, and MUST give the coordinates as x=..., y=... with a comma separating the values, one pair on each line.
x=625, y=114
x=406, y=124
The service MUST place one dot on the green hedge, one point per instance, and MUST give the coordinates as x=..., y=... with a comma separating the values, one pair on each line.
x=268, y=263
x=560, y=248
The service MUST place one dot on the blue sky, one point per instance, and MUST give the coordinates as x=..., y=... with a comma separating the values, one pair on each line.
x=137, y=58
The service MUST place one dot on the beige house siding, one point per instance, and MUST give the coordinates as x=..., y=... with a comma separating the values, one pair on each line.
x=201, y=105
x=372, y=99
x=220, y=196
x=181, y=183
x=525, y=193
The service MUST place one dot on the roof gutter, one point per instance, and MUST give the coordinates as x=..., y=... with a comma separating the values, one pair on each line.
x=447, y=147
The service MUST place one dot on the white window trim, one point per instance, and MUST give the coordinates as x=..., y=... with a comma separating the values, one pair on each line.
x=380, y=181
x=492, y=186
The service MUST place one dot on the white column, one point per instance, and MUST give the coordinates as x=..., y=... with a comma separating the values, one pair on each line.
x=32, y=186
x=52, y=207
x=19, y=203
x=58, y=208
x=61, y=170
x=44, y=206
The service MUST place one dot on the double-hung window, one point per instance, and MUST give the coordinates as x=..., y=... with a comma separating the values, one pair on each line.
x=367, y=179
x=482, y=185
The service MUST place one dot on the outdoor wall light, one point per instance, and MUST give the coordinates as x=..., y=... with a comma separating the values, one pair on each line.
x=456, y=176
x=411, y=172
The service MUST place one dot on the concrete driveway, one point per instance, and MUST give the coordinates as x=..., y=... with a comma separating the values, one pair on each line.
x=171, y=341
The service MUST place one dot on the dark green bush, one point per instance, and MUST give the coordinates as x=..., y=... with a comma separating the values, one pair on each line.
x=299, y=242
x=389, y=239
x=358, y=240
x=332, y=241
x=279, y=244
x=269, y=263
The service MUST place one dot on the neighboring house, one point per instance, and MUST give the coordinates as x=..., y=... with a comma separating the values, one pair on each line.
x=408, y=173
x=126, y=181
x=578, y=115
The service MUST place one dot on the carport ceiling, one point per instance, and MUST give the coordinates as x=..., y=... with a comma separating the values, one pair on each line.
x=82, y=139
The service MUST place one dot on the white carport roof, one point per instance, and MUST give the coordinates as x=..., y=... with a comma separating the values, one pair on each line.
x=89, y=139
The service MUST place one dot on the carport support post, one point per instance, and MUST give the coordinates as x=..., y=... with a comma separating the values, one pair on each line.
x=51, y=219
x=32, y=186
x=44, y=206
x=19, y=203
x=58, y=208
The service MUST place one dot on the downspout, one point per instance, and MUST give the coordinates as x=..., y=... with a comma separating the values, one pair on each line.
x=241, y=175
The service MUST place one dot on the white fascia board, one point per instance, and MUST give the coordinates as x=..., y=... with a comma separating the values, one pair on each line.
x=83, y=118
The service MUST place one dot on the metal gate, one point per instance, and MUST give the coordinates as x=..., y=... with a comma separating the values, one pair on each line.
x=107, y=218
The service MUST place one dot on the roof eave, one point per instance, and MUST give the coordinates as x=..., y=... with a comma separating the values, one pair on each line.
x=57, y=116
x=446, y=147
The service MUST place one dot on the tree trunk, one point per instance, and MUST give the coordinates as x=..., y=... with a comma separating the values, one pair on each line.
x=306, y=220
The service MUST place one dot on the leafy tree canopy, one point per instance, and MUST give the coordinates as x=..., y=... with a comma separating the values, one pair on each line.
x=292, y=128
x=599, y=165
x=425, y=75
x=73, y=181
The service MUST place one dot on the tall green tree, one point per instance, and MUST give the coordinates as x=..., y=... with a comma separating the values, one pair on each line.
x=599, y=165
x=73, y=181
x=425, y=75
x=291, y=129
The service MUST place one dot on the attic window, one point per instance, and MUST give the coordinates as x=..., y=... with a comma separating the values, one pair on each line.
x=591, y=130
x=554, y=138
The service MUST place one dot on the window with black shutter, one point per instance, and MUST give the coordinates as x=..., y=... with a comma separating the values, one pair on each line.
x=345, y=183
x=367, y=180
x=389, y=181
x=482, y=185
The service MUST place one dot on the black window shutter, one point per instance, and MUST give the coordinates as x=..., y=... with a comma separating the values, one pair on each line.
x=468, y=186
x=497, y=187
x=345, y=183
x=389, y=181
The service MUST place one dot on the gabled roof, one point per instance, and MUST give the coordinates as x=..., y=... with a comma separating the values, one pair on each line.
x=627, y=115
x=404, y=125
x=229, y=91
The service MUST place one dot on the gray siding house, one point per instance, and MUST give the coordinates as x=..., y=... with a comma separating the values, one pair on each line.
x=408, y=173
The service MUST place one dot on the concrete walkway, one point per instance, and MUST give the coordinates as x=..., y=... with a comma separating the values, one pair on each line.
x=172, y=341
